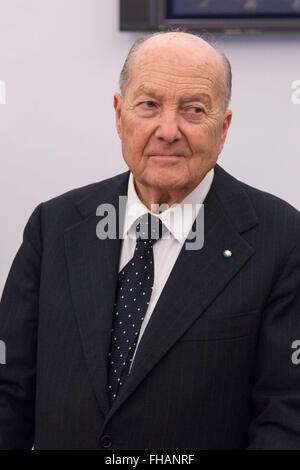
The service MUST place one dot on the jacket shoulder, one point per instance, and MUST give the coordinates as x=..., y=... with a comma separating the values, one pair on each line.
x=276, y=217
x=60, y=212
x=264, y=201
x=76, y=194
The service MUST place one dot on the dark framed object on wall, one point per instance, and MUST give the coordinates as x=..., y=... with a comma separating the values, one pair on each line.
x=210, y=15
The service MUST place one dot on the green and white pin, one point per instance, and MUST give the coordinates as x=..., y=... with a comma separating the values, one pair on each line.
x=227, y=254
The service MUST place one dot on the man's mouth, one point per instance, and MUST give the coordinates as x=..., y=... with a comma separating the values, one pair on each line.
x=166, y=156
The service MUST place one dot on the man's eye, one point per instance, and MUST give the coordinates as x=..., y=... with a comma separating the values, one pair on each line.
x=197, y=110
x=147, y=108
x=149, y=104
x=193, y=112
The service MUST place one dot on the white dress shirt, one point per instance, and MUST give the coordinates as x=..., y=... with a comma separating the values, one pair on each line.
x=165, y=250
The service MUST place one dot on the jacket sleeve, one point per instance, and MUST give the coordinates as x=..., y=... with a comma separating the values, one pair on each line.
x=276, y=392
x=18, y=333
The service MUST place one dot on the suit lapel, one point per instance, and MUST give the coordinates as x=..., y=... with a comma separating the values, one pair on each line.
x=93, y=271
x=197, y=276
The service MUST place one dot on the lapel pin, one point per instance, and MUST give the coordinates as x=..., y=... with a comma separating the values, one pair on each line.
x=227, y=253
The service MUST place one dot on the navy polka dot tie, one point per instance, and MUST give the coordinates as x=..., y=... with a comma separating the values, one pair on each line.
x=135, y=283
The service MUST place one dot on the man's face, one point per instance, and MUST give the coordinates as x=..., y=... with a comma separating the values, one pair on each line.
x=171, y=121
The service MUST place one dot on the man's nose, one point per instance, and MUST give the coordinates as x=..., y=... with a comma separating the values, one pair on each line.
x=168, y=129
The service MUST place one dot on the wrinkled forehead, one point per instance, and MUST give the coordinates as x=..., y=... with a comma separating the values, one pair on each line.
x=179, y=49
x=177, y=66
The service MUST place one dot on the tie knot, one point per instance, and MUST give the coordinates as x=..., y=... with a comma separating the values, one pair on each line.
x=149, y=227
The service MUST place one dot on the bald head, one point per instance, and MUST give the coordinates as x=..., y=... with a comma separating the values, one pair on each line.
x=180, y=46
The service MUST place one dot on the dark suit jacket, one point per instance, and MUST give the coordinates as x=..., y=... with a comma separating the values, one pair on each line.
x=214, y=367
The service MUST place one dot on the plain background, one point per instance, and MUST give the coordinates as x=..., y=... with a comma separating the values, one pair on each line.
x=61, y=60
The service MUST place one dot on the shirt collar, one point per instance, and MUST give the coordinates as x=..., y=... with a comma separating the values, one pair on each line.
x=178, y=218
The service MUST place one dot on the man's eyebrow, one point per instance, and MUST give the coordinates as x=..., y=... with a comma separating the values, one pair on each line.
x=145, y=91
x=204, y=97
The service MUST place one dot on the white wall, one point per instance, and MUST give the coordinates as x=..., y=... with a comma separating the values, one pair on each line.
x=60, y=60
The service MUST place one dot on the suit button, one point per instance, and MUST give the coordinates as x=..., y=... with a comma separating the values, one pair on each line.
x=106, y=441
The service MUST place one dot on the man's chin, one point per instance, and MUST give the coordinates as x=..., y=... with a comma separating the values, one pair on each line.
x=166, y=182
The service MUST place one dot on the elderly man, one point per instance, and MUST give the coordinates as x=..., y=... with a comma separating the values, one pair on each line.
x=143, y=342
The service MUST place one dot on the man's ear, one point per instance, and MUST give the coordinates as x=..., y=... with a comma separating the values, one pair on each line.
x=225, y=127
x=118, y=107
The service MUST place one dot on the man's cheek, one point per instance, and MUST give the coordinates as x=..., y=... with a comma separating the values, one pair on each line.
x=144, y=128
